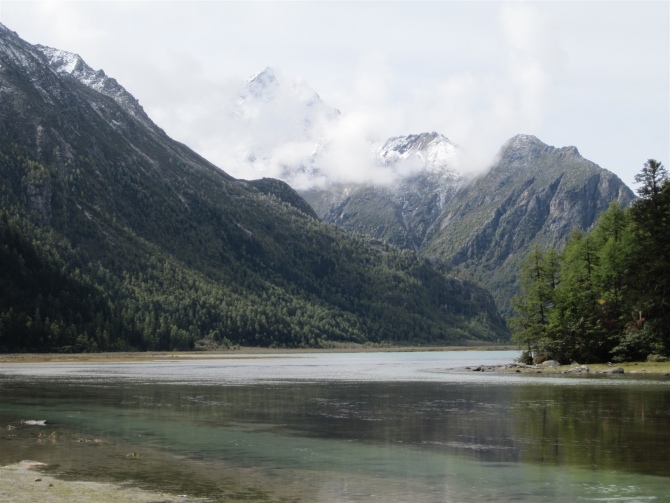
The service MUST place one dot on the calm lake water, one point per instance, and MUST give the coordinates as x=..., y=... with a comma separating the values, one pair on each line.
x=365, y=427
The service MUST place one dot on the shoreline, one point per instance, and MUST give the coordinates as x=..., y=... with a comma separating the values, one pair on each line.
x=588, y=370
x=23, y=482
x=635, y=368
x=248, y=352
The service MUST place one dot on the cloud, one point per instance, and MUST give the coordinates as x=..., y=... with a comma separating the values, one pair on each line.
x=477, y=109
x=477, y=105
x=532, y=56
x=282, y=128
x=477, y=72
x=480, y=109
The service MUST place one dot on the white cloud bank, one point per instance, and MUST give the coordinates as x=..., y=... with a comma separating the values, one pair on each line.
x=591, y=74
x=285, y=125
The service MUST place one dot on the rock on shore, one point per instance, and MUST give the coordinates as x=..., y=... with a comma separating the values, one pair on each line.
x=550, y=366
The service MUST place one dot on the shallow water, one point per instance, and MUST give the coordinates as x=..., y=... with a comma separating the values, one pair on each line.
x=343, y=427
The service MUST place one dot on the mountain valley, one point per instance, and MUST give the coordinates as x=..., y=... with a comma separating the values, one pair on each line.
x=424, y=200
x=115, y=236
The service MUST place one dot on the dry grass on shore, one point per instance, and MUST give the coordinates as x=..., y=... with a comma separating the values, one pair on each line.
x=242, y=352
x=635, y=367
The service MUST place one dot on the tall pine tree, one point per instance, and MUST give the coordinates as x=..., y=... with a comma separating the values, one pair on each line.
x=650, y=274
x=538, y=279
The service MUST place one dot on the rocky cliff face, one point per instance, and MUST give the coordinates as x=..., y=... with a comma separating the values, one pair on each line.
x=534, y=193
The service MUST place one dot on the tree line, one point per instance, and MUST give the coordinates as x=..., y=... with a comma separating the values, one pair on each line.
x=606, y=295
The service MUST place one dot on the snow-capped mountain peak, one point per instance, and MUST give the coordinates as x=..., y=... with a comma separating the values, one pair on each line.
x=265, y=89
x=434, y=151
x=262, y=86
x=277, y=127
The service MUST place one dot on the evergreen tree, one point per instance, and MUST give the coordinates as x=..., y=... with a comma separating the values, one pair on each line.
x=576, y=325
x=653, y=177
x=650, y=273
x=538, y=280
x=614, y=239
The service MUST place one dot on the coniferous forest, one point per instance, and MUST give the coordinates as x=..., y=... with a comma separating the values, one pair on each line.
x=606, y=295
x=115, y=290
x=54, y=297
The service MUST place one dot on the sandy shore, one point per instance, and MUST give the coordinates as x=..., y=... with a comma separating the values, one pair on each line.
x=22, y=483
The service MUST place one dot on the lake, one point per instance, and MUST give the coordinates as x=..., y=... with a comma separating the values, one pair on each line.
x=341, y=427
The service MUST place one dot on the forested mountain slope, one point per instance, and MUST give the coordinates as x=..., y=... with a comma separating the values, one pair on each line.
x=114, y=236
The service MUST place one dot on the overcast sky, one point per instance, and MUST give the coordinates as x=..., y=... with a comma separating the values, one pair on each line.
x=595, y=75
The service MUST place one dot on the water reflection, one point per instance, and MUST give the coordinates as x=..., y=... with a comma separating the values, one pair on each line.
x=598, y=427
x=350, y=441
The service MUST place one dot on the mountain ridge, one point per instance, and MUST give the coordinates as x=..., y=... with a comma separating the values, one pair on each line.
x=68, y=63
x=533, y=193
x=172, y=253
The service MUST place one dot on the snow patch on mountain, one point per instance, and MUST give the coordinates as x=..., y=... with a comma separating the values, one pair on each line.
x=67, y=63
x=432, y=151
